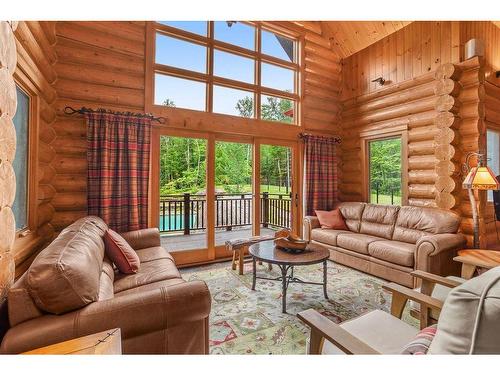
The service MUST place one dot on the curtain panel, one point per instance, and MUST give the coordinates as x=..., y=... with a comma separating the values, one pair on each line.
x=321, y=177
x=118, y=153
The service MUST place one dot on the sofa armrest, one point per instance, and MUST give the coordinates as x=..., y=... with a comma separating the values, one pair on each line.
x=142, y=238
x=310, y=223
x=438, y=243
x=135, y=314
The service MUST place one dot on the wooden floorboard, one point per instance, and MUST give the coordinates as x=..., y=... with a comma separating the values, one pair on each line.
x=179, y=242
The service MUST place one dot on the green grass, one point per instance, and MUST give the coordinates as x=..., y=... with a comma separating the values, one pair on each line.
x=385, y=199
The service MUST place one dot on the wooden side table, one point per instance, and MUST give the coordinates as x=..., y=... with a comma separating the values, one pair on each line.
x=473, y=259
x=106, y=342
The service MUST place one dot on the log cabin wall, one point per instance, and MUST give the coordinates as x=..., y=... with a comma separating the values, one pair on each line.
x=100, y=64
x=8, y=105
x=36, y=58
x=443, y=112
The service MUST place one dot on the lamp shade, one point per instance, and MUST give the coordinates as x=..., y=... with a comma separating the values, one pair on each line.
x=481, y=178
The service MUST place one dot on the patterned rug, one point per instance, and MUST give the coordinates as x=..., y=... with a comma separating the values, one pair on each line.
x=243, y=321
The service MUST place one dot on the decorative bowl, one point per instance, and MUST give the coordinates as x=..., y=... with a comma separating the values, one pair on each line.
x=290, y=245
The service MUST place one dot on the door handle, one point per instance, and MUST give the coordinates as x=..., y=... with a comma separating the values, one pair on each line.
x=296, y=199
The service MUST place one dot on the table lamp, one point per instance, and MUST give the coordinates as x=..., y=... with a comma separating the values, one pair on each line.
x=478, y=178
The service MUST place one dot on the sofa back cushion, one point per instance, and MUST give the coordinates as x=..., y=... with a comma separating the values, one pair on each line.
x=352, y=212
x=379, y=220
x=65, y=275
x=469, y=321
x=415, y=222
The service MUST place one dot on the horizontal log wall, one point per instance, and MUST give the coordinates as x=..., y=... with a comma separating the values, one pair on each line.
x=409, y=107
x=100, y=64
x=35, y=43
x=414, y=50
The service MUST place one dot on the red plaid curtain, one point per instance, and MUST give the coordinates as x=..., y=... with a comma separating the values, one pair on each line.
x=118, y=148
x=321, y=182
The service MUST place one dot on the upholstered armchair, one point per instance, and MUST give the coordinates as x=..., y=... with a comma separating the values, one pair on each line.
x=467, y=321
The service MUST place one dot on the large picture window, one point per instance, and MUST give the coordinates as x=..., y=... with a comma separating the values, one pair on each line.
x=239, y=68
x=21, y=160
x=384, y=165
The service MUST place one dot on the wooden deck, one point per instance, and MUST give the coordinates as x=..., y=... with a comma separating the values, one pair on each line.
x=178, y=242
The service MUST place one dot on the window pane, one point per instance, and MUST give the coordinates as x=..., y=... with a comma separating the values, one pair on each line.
x=277, y=109
x=233, y=102
x=238, y=34
x=196, y=27
x=278, y=46
x=180, y=54
x=179, y=92
x=228, y=65
x=385, y=171
x=277, y=77
x=20, y=163
x=493, y=154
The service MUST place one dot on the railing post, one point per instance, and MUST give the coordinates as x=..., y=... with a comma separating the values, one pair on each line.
x=187, y=213
x=265, y=214
x=392, y=195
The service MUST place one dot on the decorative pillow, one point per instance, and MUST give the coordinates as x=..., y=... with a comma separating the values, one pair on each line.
x=121, y=253
x=331, y=219
x=421, y=343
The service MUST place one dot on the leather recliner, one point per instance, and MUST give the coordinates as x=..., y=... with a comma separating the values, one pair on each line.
x=72, y=289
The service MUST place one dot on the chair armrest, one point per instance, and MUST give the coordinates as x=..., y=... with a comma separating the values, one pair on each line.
x=310, y=223
x=437, y=243
x=321, y=327
x=142, y=238
x=436, y=279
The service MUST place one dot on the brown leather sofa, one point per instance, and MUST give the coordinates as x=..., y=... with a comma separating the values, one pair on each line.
x=72, y=289
x=391, y=241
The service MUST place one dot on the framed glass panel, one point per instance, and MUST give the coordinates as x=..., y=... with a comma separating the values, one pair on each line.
x=231, y=66
x=195, y=27
x=493, y=154
x=385, y=171
x=278, y=46
x=234, y=102
x=277, y=109
x=278, y=78
x=21, y=160
x=180, y=54
x=238, y=34
x=179, y=92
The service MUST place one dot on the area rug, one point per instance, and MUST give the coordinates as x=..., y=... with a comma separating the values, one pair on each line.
x=243, y=321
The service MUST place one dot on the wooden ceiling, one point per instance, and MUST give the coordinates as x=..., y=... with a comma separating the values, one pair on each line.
x=349, y=37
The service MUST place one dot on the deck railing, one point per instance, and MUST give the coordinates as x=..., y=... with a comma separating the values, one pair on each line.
x=186, y=212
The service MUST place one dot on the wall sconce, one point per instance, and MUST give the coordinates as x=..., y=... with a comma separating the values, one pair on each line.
x=478, y=178
x=379, y=80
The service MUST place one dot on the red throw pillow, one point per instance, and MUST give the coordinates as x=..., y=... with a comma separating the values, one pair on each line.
x=331, y=219
x=121, y=253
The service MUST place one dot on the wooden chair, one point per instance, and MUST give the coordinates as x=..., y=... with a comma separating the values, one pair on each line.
x=376, y=332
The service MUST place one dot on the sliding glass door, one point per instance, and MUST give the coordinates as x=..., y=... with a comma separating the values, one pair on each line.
x=209, y=189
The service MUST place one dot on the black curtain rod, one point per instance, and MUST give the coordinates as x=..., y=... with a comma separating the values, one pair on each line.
x=335, y=138
x=70, y=111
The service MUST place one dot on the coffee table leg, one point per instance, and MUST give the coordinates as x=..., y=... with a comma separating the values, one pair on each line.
x=324, y=279
x=254, y=273
x=283, y=294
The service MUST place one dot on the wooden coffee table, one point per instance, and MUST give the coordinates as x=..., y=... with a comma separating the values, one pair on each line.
x=472, y=259
x=267, y=252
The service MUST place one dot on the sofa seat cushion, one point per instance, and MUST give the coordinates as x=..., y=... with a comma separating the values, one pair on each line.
x=150, y=272
x=153, y=253
x=328, y=236
x=401, y=253
x=357, y=242
x=152, y=286
x=380, y=330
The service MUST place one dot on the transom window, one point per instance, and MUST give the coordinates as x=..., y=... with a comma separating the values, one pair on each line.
x=234, y=68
